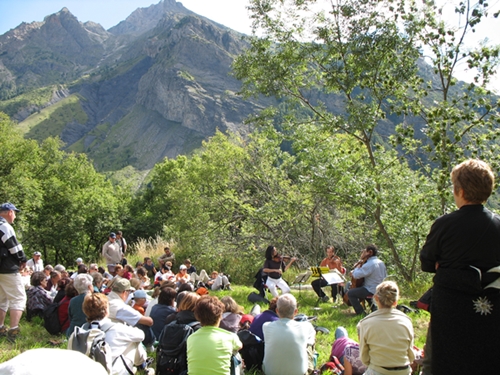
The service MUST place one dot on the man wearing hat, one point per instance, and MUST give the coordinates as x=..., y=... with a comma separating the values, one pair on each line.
x=112, y=253
x=12, y=292
x=35, y=263
x=120, y=312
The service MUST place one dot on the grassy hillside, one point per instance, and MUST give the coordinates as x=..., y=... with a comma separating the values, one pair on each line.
x=35, y=98
x=50, y=121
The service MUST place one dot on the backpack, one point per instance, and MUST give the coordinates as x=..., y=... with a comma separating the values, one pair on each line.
x=51, y=319
x=171, y=356
x=91, y=342
x=252, y=351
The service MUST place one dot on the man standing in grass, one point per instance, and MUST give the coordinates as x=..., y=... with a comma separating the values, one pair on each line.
x=12, y=292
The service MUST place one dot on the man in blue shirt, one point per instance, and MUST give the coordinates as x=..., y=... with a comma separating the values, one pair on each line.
x=373, y=271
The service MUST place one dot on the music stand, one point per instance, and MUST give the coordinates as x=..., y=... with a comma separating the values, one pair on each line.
x=301, y=279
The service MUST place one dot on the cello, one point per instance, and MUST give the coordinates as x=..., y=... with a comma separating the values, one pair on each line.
x=356, y=283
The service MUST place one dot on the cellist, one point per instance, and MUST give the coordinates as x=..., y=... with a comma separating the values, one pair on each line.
x=373, y=271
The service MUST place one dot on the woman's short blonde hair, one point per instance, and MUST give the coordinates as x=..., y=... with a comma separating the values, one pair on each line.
x=387, y=293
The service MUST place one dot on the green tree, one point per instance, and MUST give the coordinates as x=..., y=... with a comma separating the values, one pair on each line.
x=356, y=52
x=459, y=120
x=67, y=207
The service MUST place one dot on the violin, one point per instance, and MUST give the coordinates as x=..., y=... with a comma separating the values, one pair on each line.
x=356, y=283
x=281, y=258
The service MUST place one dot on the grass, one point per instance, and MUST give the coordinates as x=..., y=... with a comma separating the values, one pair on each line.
x=33, y=335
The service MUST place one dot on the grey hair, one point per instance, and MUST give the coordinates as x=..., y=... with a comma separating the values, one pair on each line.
x=82, y=282
x=286, y=306
x=387, y=293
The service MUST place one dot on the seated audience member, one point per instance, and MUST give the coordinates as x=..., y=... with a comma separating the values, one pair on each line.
x=47, y=270
x=288, y=344
x=123, y=339
x=128, y=272
x=218, y=281
x=164, y=307
x=246, y=321
x=38, y=297
x=268, y=315
x=120, y=312
x=210, y=348
x=61, y=289
x=51, y=287
x=190, y=267
x=182, y=277
x=231, y=316
x=143, y=278
x=93, y=268
x=186, y=301
x=169, y=256
x=82, y=268
x=98, y=282
x=150, y=267
x=373, y=271
x=119, y=270
x=164, y=274
x=386, y=335
x=156, y=294
x=139, y=299
x=347, y=352
x=26, y=273
x=62, y=270
x=105, y=273
x=77, y=318
x=62, y=311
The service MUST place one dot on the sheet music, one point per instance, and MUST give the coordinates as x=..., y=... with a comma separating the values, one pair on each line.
x=333, y=277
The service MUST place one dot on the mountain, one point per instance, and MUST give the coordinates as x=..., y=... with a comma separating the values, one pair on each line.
x=153, y=86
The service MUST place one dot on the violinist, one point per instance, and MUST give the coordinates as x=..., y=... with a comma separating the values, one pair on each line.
x=332, y=261
x=274, y=267
x=373, y=271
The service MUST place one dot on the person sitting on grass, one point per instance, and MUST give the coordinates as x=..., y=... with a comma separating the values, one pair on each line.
x=267, y=316
x=124, y=340
x=289, y=344
x=164, y=307
x=232, y=315
x=38, y=297
x=83, y=285
x=140, y=299
x=386, y=335
x=347, y=352
x=210, y=348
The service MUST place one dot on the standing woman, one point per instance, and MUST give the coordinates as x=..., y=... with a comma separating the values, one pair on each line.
x=386, y=335
x=462, y=248
x=274, y=267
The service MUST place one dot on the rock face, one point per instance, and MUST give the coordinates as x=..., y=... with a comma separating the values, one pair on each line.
x=155, y=85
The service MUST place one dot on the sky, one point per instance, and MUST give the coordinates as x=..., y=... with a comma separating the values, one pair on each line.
x=231, y=13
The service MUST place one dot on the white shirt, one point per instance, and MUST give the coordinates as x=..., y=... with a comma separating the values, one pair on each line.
x=35, y=266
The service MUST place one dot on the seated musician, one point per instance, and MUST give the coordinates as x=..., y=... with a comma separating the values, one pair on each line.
x=373, y=271
x=331, y=261
x=274, y=267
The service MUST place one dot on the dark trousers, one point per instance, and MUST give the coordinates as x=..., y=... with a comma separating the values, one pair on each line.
x=320, y=283
x=355, y=295
x=149, y=336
